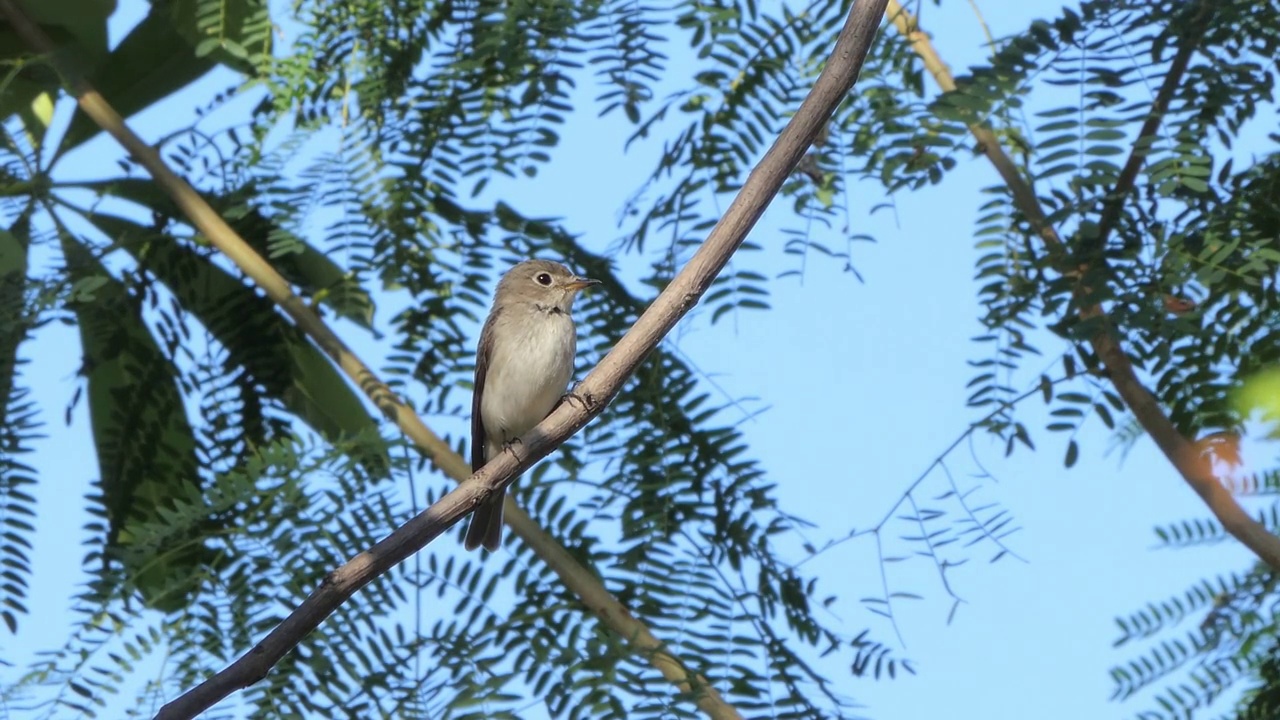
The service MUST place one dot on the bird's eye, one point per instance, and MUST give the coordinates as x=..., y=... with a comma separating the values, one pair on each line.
x=543, y=279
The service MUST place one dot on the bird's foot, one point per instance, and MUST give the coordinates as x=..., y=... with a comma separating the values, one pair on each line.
x=510, y=446
x=583, y=400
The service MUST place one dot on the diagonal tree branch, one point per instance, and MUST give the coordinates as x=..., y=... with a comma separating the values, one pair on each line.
x=1114, y=204
x=596, y=390
x=1183, y=453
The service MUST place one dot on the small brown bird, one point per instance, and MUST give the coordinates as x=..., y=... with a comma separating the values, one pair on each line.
x=523, y=364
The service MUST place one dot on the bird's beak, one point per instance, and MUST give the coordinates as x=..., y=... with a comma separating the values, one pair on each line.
x=580, y=282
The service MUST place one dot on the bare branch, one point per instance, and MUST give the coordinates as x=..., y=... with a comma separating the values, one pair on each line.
x=597, y=389
x=1183, y=453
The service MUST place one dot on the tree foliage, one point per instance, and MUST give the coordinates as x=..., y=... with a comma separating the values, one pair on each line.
x=235, y=466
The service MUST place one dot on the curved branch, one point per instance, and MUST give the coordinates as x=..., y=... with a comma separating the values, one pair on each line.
x=1185, y=456
x=596, y=390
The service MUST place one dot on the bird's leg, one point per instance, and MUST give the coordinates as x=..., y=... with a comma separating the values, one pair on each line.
x=509, y=445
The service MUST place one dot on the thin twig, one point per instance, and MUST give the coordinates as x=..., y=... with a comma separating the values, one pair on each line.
x=919, y=479
x=986, y=29
x=983, y=532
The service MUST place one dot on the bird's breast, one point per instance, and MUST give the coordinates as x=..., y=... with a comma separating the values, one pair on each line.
x=528, y=371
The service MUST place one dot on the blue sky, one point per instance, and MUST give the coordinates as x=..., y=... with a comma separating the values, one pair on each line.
x=862, y=385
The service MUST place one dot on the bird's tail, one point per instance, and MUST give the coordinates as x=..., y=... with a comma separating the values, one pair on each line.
x=486, y=525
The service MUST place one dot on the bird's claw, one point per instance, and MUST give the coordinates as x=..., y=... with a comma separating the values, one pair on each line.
x=572, y=397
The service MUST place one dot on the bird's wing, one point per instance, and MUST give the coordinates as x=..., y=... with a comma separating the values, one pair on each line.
x=483, y=351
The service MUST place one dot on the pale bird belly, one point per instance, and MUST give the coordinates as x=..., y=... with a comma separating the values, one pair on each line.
x=526, y=377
